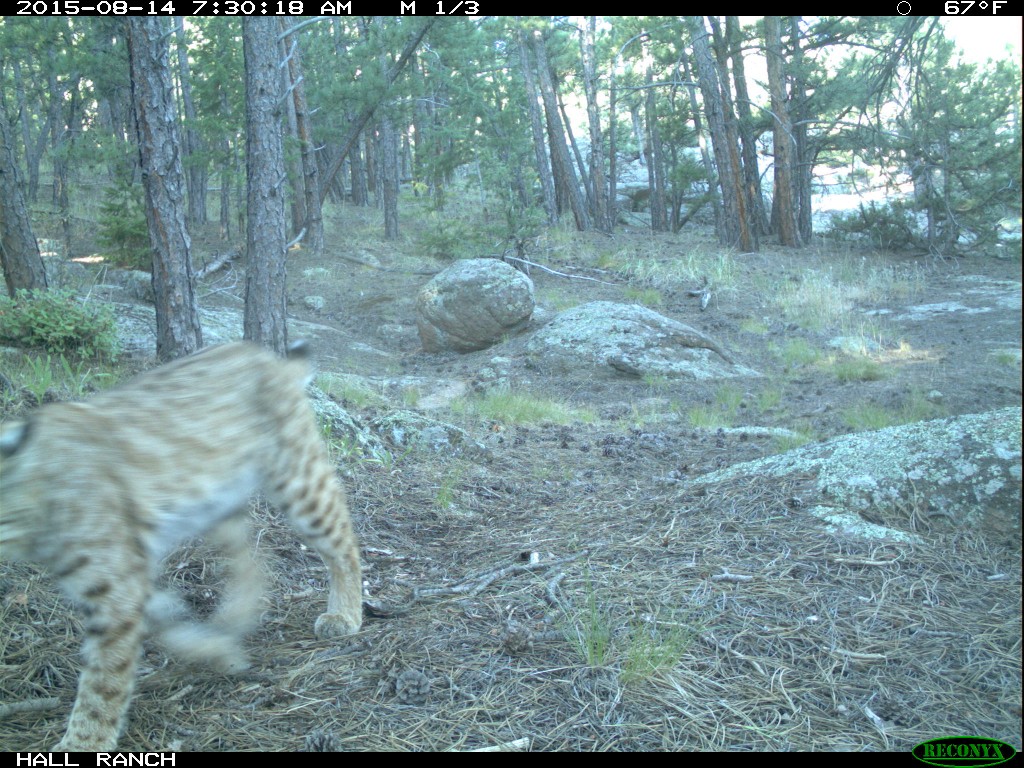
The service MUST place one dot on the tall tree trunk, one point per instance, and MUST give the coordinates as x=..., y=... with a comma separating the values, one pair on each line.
x=804, y=161
x=195, y=165
x=748, y=232
x=379, y=170
x=613, y=208
x=702, y=144
x=227, y=173
x=565, y=176
x=265, y=312
x=293, y=160
x=547, y=179
x=639, y=134
x=19, y=251
x=66, y=123
x=314, y=221
x=748, y=138
x=33, y=150
x=388, y=171
x=389, y=177
x=600, y=211
x=581, y=164
x=735, y=229
x=177, y=320
x=360, y=186
x=655, y=163
x=782, y=136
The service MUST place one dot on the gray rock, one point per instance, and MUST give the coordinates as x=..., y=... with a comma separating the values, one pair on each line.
x=966, y=469
x=630, y=339
x=358, y=440
x=855, y=345
x=139, y=284
x=473, y=304
x=315, y=303
x=406, y=429
x=61, y=273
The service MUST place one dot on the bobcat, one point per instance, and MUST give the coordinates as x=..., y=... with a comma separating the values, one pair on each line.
x=101, y=491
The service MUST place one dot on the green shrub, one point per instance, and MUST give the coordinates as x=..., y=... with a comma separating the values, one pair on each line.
x=446, y=239
x=123, y=228
x=890, y=226
x=59, y=323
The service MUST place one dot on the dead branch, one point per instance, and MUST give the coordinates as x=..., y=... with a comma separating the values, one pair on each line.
x=549, y=593
x=860, y=561
x=30, y=705
x=860, y=656
x=476, y=584
x=219, y=262
x=554, y=271
x=518, y=745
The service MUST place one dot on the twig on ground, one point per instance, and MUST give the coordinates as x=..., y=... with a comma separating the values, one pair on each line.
x=517, y=745
x=477, y=584
x=860, y=561
x=555, y=271
x=29, y=705
x=549, y=593
x=860, y=656
x=219, y=262
x=726, y=649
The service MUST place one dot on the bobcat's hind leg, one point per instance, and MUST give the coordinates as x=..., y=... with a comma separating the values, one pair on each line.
x=317, y=508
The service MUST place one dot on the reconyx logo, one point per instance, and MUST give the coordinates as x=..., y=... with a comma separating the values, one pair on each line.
x=963, y=752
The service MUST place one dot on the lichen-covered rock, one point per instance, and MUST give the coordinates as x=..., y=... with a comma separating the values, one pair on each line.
x=473, y=304
x=139, y=284
x=409, y=430
x=345, y=427
x=61, y=273
x=966, y=469
x=630, y=339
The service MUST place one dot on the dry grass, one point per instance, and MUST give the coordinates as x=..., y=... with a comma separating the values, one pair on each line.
x=695, y=655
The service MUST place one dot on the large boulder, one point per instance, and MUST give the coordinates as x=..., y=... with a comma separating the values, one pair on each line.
x=473, y=304
x=630, y=339
x=963, y=472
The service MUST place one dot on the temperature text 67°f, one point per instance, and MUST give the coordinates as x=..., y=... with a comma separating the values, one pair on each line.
x=974, y=7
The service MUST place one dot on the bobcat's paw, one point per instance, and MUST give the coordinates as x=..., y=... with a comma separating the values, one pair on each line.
x=330, y=625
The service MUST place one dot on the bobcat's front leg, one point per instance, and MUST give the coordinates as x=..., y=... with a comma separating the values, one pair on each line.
x=111, y=585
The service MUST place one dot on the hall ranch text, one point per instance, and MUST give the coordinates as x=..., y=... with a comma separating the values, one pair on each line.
x=79, y=759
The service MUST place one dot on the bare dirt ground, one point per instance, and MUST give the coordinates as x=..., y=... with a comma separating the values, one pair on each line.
x=572, y=591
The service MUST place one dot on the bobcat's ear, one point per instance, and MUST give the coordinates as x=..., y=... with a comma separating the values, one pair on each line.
x=12, y=435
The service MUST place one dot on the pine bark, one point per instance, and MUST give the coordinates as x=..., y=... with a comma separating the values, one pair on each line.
x=547, y=179
x=566, y=182
x=734, y=229
x=195, y=167
x=600, y=210
x=265, y=314
x=782, y=136
x=19, y=251
x=178, y=331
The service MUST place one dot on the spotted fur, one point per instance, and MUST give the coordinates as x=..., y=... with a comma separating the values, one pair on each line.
x=100, y=492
